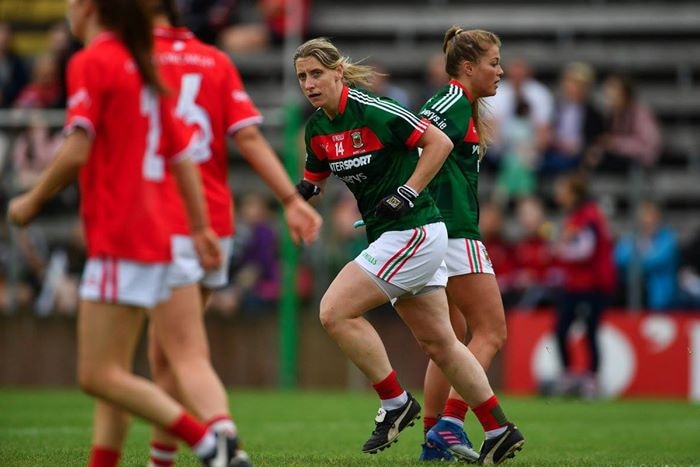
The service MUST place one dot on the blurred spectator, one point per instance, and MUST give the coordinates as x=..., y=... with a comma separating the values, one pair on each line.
x=520, y=83
x=22, y=291
x=577, y=123
x=584, y=249
x=62, y=46
x=535, y=274
x=44, y=90
x=500, y=250
x=383, y=86
x=435, y=76
x=255, y=272
x=34, y=150
x=516, y=176
x=249, y=37
x=689, y=274
x=631, y=135
x=206, y=18
x=656, y=247
x=346, y=241
x=13, y=73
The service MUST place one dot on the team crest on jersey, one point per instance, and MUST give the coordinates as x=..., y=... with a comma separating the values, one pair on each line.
x=357, y=142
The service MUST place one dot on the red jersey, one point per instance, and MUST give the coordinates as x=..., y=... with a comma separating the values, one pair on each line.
x=534, y=258
x=596, y=272
x=122, y=184
x=501, y=255
x=212, y=99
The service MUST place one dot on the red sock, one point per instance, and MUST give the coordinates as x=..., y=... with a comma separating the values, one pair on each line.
x=428, y=423
x=163, y=454
x=104, y=457
x=455, y=408
x=188, y=429
x=490, y=414
x=389, y=387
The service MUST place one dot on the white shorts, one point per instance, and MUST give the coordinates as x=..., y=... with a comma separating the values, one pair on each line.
x=185, y=268
x=465, y=256
x=408, y=259
x=124, y=282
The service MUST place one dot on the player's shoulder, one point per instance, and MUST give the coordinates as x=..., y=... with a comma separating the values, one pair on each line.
x=448, y=97
x=313, y=123
x=365, y=98
x=104, y=55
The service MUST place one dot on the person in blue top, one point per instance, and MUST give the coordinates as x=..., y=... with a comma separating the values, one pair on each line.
x=657, y=248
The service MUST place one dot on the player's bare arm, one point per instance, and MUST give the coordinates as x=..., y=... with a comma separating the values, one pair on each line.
x=205, y=240
x=436, y=147
x=303, y=221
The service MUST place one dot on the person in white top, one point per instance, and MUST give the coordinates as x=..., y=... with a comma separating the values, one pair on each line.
x=519, y=82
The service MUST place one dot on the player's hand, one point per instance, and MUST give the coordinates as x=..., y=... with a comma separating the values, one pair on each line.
x=206, y=244
x=398, y=203
x=22, y=210
x=303, y=221
x=307, y=190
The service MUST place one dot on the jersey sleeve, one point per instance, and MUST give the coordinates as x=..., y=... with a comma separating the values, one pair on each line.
x=240, y=111
x=176, y=136
x=451, y=114
x=316, y=168
x=399, y=125
x=85, y=94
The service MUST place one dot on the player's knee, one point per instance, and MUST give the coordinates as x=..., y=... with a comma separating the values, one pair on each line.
x=436, y=349
x=328, y=314
x=495, y=338
x=90, y=379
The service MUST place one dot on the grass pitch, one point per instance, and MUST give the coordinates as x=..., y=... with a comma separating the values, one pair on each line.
x=293, y=429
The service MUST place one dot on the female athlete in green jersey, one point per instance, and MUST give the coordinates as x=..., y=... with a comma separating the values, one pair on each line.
x=370, y=142
x=472, y=60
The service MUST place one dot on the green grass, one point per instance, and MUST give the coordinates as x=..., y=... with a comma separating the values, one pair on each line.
x=295, y=429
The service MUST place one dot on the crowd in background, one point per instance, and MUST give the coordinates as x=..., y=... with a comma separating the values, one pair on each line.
x=588, y=124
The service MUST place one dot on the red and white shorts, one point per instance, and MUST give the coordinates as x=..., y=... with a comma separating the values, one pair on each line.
x=408, y=259
x=125, y=282
x=466, y=256
x=185, y=268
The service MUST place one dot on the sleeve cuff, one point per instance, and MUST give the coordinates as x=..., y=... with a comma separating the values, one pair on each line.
x=417, y=133
x=79, y=122
x=316, y=176
x=254, y=120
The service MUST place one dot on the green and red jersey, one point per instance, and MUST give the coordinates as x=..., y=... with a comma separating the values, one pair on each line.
x=454, y=188
x=371, y=146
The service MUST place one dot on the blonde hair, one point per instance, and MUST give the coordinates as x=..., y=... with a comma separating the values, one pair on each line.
x=325, y=52
x=461, y=45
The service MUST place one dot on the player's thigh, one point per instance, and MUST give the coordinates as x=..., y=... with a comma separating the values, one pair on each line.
x=351, y=294
x=426, y=315
x=178, y=325
x=478, y=297
x=107, y=335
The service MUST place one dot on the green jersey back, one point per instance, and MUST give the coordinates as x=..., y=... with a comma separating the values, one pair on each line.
x=371, y=146
x=454, y=188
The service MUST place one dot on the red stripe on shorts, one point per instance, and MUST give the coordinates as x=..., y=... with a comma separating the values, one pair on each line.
x=469, y=255
x=398, y=253
x=422, y=240
x=103, y=279
x=115, y=281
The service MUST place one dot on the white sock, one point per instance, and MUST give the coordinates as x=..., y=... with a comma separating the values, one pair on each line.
x=455, y=421
x=497, y=432
x=225, y=425
x=395, y=402
x=206, y=445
